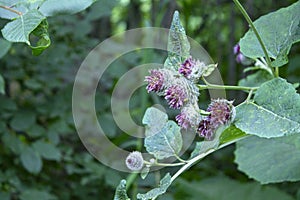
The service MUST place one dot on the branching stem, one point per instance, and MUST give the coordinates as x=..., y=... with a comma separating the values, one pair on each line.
x=11, y=10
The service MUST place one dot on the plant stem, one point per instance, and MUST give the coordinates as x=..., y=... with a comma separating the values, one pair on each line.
x=230, y=87
x=245, y=14
x=165, y=164
x=249, y=95
x=200, y=156
x=11, y=10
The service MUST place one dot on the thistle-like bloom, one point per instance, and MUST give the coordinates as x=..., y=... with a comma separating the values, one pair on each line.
x=176, y=96
x=189, y=117
x=135, y=161
x=205, y=129
x=155, y=81
x=186, y=68
x=220, y=112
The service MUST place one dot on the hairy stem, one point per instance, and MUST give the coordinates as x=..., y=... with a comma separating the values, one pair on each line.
x=11, y=10
x=246, y=16
x=165, y=164
x=229, y=87
x=200, y=156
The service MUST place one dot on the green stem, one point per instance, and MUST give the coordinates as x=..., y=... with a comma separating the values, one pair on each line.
x=249, y=95
x=229, y=87
x=165, y=164
x=245, y=14
x=11, y=10
x=200, y=156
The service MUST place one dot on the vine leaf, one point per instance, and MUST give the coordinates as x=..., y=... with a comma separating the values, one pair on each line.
x=279, y=30
x=120, y=193
x=56, y=7
x=178, y=44
x=163, y=186
x=275, y=112
x=155, y=120
x=165, y=143
x=269, y=160
x=19, y=29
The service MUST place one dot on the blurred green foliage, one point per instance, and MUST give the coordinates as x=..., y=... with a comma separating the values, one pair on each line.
x=41, y=156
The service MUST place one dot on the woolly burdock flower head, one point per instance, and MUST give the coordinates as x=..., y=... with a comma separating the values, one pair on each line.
x=205, y=129
x=192, y=69
x=135, y=161
x=176, y=95
x=221, y=112
x=155, y=80
x=186, y=67
x=189, y=117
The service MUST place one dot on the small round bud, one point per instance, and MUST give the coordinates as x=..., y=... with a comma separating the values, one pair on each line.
x=189, y=116
x=135, y=161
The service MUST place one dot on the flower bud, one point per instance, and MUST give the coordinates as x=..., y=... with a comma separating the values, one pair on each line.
x=135, y=161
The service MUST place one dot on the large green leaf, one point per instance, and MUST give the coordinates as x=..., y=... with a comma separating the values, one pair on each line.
x=275, y=113
x=154, y=193
x=270, y=160
x=43, y=38
x=120, y=193
x=223, y=188
x=278, y=30
x=256, y=79
x=31, y=160
x=47, y=150
x=4, y=47
x=57, y=7
x=19, y=29
x=155, y=120
x=165, y=143
x=34, y=194
x=22, y=120
x=178, y=44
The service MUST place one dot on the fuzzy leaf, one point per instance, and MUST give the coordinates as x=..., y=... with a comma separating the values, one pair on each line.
x=155, y=120
x=19, y=29
x=31, y=160
x=275, y=113
x=278, y=30
x=154, y=193
x=120, y=193
x=4, y=47
x=269, y=160
x=165, y=143
x=178, y=44
x=145, y=171
x=57, y=7
x=256, y=79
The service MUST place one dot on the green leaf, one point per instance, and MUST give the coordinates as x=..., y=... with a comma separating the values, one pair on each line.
x=223, y=188
x=101, y=9
x=22, y=120
x=256, y=79
x=166, y=143
x=163, y=186
x=19, y=29
x=155, y=120
x=2, y=85
x=47, y=150
x=145, y=171
x=34, y=194
x=269, y=160
x=230, y=134
x=31, y=160
x=120, y=193
x=58, y=7
x=178, y=44
x=4, y=47
x=278, y=30
x=13, y=143
x=206, y=145
x=275, y=112
x=44, y=40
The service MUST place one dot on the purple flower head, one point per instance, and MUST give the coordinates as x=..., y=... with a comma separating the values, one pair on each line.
x=205, y=129
x=220, y=112
x=236, y=49
x=186, y=68
x=240, y=58
x=189, y=117
x=176, y=96
x=155, y=81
